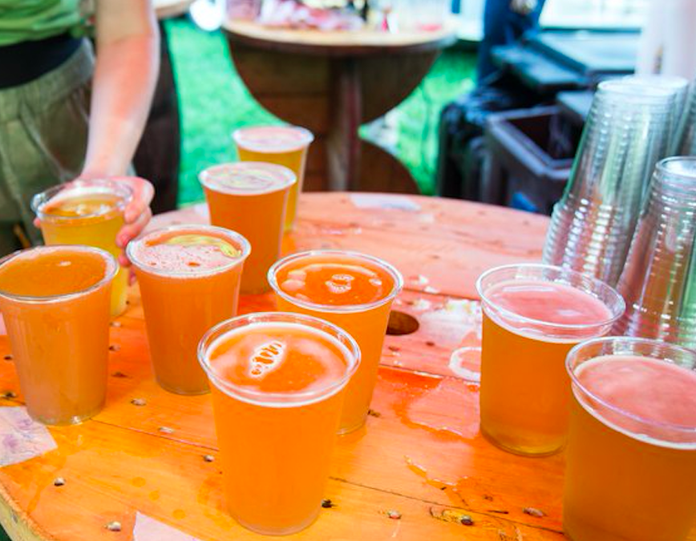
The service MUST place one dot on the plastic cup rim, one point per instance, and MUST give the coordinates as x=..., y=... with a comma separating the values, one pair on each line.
x=308, y=138
x=279, y=400
x=243, y=243
x=662, y=168
x=546, y=324
x=39, y=200
x=290, y=180
x=627, y=87
x=326, y=308
x=608, y=339
x=109, y=273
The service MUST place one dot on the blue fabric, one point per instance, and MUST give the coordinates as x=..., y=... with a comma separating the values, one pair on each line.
x=502, y=26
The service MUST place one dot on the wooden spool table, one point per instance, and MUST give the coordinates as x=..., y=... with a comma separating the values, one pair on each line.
x=331, y=83
x=420, y=456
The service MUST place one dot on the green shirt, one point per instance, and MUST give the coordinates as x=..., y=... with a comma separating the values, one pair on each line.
x=25, y=20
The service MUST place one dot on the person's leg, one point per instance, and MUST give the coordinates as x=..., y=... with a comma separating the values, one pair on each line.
x=43, y=129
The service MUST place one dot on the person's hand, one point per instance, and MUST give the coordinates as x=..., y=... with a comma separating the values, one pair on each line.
x=136, y=215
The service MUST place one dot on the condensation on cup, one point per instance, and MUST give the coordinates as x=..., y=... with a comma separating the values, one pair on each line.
x=244, y=10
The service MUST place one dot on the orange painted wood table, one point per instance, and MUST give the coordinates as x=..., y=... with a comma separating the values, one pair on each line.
x=420, y=456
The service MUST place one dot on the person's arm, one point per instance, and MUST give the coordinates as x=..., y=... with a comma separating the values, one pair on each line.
x=127, y=65
x=127, y=42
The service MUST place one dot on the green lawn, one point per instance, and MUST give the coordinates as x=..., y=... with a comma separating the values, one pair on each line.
x=214, y=102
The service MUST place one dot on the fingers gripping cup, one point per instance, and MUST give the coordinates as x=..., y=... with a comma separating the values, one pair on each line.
x=353, y=291
x=88, y=212
x=631, y=457
x=189, y=279
x=282, y=145
x=250, y=198
x=278, y=382
x=55, y=301
x=532, y=316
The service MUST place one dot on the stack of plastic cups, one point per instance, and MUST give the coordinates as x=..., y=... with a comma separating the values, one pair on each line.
x=687, y=131
x=659, y=280
x=628, y=130
x=679, y=88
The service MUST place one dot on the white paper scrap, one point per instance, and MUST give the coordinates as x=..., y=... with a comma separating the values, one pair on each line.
x=149, y=529
x=381, y=201
x=21, y=437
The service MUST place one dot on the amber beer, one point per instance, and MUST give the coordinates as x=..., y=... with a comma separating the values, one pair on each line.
x=278, y=382
x=189, y=278
x=532, y=316
x=251, y=198
x=354, y=292
x=89, y=213
x=631, y=458
x=55, y=302
x=282, y=145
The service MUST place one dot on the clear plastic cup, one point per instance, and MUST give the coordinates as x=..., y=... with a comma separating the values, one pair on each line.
x=525, y=392
x=592, y=225
x=364, y=321
x=55, y=303
x=276, y=437
x=659, y=279
x=184, y=295
x=251, y=198
x=630, y=475
x=88, y=212
x=281, y=145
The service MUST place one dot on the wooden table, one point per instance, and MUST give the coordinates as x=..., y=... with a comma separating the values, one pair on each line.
x=421, y=454
x=331, y=83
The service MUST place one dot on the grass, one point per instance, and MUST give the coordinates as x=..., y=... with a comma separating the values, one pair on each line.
x=214, y=101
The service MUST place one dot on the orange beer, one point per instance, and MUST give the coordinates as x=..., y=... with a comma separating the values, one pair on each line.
x=354, y=292
x=278, y=382
x=55, y=302
x=189, y=278
x=89, y=213
x=631, y=459
x=282, y=145
x=532, y=316
x=250, y=198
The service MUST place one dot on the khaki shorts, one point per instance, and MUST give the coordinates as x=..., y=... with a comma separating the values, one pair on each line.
x=43, y=137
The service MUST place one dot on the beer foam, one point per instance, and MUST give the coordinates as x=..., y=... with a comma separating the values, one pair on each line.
x=279, y=358
x=272, y=139
x=247, y=178
x=648, y=399
x=184, y=251
x=334, y=281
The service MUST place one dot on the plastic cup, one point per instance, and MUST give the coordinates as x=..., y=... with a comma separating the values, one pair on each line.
x=659, y=278
x=364, y=321
x=592, y=225
x=55, y=302
x=525, y=391
x=251, y=198
x=631, y=473
x=90, y=213
x=282, y=145
x=275, y=418
x=186, y=289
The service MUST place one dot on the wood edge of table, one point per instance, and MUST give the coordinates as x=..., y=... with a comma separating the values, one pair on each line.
x=17, y=523
x=290, y=41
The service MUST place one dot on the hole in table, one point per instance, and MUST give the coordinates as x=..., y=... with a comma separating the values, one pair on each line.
x=401, y=323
